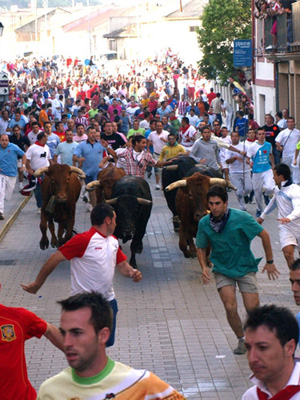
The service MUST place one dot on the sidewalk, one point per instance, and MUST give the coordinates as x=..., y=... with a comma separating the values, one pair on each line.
x=12, y=209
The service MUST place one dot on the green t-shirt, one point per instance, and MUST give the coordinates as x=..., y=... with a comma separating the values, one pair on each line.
x=133, y=132
x=298, y=146
x=231, y=253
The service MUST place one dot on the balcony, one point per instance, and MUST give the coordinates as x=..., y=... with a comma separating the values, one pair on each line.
x=288, y=36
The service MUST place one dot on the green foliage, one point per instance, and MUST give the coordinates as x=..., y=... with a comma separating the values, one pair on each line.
x=223, y=21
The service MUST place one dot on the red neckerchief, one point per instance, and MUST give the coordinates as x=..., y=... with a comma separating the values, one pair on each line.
x=173, y=118
x=39, y=144
x=284, y=394
x=183, y=130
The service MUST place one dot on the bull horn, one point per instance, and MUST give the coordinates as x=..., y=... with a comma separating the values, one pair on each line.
x=78, y=171
x=40, y=171
x=92, y=185
x=175, y=185
x=222, y=182
x=144, y=201
x=171, y=167
x=111, y=201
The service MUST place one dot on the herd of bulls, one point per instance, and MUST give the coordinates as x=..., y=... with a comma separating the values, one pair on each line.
x=185, y=186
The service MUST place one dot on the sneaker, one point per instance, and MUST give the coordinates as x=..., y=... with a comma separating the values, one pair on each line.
x=157, y=187
x=1, y=216
x=149, y=174
x=85, y=199
x=247, y=200
x=269, y=47
x=38, y=211
x=31, y=186
x=21, y=186
x=241, y=348
x=258, y=213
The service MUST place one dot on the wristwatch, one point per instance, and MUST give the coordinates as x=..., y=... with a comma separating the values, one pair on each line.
x=270, y=261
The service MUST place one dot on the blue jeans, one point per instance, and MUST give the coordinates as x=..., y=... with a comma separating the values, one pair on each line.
x=114, y=306
x=38, y=194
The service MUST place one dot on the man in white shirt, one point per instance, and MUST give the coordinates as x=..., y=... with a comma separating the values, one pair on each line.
x=38, y=156
x=4, y=121
x=287, y=140
x=158, y=139
x=187, y=134
x=239, y=170
x=32, y=135
x=271, y=337
x=287, y=199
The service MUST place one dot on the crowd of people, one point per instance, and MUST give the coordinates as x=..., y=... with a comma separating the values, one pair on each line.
x=140, y=118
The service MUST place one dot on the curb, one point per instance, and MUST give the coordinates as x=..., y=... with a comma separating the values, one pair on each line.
x=14, y=216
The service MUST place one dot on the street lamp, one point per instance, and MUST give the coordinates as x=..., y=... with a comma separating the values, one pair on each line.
x=1, y=29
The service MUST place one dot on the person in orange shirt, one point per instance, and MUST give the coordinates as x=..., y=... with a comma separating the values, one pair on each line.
x=43, y=116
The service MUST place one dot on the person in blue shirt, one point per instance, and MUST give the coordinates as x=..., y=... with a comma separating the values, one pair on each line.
x=261, y=159
x=241, y=125
x=9, y=153
x=17, y=119
x=88, y=154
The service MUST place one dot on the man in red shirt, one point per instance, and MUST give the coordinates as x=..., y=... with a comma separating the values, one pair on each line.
x=212, y=95
x=18, y=325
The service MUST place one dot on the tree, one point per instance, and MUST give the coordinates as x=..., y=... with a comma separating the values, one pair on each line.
x=223, y=21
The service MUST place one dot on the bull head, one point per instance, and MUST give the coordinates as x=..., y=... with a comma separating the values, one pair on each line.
x=92, y=186
x=213, y=181
x=139, y=200
x=39, y=172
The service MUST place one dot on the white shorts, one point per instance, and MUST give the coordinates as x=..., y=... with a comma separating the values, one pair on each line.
x=288, y=237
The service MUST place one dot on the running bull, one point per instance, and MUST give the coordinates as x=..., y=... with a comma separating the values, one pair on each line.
x=191, y=205
x=132, y=201
x=60, y=192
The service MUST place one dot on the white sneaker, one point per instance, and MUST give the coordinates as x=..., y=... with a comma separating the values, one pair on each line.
x=269, y=47
x=38, y=211
x=21, y=186
x=157, y=187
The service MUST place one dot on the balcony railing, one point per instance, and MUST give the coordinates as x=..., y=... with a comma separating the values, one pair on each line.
x=288, y=32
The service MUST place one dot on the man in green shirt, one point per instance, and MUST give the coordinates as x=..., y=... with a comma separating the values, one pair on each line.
x=136, y=130
x=229, y=232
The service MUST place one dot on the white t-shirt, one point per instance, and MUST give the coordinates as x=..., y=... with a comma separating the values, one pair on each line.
x=155, y=138
x=288, y=139
x=237, y=166
x=38, y=156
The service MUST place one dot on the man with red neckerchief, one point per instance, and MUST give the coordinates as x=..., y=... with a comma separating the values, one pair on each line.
x=187, y=134
x=271, y=337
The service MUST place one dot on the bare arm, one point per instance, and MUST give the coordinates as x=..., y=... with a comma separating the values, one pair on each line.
x=271, y=157
x=46, y=270
x=295, y=157
x=53, y=334
x=55, y=157
x=201, y=255
x=28, y=167
x=270, y=268
x=126, y=269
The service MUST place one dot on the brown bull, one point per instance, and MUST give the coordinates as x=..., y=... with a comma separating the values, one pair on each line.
x=191, y=205
x=105, y=182
x=60, y=192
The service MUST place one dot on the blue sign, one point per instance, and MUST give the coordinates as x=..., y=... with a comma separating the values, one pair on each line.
x=242, y=53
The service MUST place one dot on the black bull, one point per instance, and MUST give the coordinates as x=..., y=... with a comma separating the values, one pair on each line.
x=132, y=202
x=177, y=170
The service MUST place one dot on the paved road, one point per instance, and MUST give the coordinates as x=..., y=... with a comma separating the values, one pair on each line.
x=169, y=323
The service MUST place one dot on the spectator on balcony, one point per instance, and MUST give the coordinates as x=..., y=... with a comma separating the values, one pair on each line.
x=287, y=8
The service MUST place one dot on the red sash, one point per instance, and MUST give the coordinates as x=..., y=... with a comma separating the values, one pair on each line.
x=284, y=394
